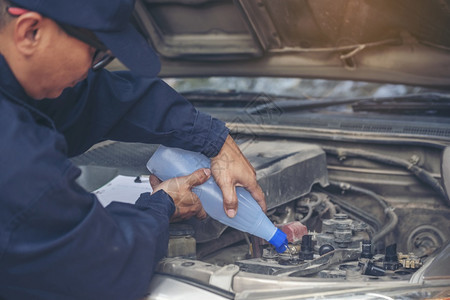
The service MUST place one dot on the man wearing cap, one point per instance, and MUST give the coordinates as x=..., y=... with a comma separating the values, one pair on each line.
x=56, y=101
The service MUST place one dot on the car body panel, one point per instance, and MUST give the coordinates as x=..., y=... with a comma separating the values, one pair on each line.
x=403, y=42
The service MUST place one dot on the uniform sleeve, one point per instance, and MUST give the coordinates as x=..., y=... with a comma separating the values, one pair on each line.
x=56, y=240
x=122, y=107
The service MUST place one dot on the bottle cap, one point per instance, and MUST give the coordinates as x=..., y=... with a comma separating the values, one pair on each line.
x=279, y=240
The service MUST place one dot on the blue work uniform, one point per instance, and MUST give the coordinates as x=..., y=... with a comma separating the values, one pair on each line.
x=56, y=240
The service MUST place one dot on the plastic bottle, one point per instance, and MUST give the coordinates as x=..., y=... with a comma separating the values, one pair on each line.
x=168, y=162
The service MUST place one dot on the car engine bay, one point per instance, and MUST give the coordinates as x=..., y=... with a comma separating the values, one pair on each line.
x=352, y=212
x=336, y=229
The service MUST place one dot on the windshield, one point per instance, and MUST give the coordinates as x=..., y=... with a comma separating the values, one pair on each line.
x=296, y=87
x=319, y=104
x=294, y=95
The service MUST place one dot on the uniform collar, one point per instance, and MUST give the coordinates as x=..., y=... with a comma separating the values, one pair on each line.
x=13, y=91
x=10, y=86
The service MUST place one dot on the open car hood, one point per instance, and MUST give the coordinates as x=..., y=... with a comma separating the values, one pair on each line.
x=401, y=41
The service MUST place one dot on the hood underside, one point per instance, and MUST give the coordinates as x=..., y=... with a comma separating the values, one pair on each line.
x=397, y=41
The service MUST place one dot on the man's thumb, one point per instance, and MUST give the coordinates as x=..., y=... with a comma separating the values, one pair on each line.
x=199, y=177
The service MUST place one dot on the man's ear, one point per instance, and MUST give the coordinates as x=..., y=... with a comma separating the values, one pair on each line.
x=28, y=32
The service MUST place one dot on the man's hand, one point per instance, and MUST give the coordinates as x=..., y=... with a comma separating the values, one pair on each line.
x=230, y=168
x=186, y=202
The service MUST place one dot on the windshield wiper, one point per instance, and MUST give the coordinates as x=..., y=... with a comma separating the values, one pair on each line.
x=429, y=103
x=256, y=103
x=234, y=98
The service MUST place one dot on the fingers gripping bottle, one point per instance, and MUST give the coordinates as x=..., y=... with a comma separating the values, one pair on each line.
x=168, y=162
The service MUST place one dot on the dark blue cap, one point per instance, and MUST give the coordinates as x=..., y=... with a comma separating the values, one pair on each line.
x=279, y=240
x=110, y=21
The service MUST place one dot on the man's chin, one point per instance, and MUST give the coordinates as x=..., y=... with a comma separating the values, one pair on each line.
x=47, y=95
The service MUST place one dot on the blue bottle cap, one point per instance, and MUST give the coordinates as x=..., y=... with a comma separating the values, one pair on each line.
x=279, y=240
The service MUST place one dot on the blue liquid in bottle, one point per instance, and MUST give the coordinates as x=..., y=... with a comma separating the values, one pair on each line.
x=168, y=162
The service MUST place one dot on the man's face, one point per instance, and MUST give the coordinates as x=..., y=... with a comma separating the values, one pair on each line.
x=47, y=57
x=62, y=61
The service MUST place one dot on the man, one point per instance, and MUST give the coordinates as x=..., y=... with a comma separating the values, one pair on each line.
x=56, y=101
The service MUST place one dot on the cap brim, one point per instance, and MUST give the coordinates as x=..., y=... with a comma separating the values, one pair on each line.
x=132, y=50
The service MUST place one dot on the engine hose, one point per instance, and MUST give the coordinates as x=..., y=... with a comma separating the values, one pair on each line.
x=420, y=173
x=310, y=207
x=308, y=215
x=388, y=211
x=393, y=220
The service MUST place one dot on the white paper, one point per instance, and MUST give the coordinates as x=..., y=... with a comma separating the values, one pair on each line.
x=123, y=189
